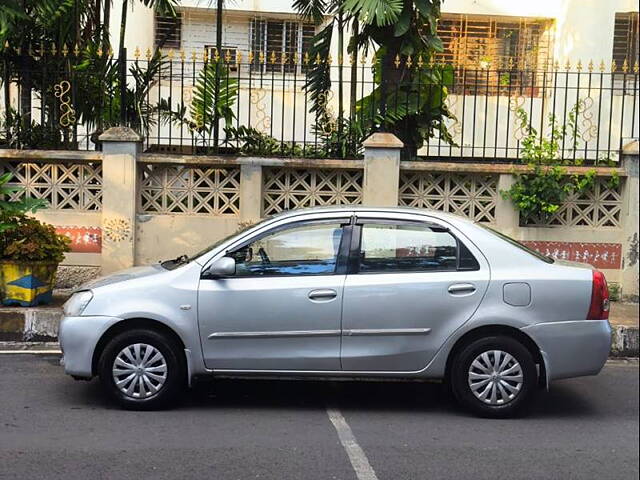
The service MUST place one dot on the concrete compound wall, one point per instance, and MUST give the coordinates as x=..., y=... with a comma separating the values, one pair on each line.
x=155, y=207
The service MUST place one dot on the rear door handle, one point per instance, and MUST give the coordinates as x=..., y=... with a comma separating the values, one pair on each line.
x=322, y=295
x=461, y=288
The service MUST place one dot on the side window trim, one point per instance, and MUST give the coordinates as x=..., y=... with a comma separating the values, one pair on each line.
x=353, y=267
x=342, y=256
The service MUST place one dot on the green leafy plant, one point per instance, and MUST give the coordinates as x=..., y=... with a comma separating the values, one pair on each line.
x=213, y=98
x=409, y=102
x=250, y=141
x=540, y=192
x=30, y=240
x=25, y=239
x=19, y=132
x=12, y=210
x=614, y=292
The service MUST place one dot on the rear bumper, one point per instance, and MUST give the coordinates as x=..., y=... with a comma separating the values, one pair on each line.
x=78, y=337
x=572, y=349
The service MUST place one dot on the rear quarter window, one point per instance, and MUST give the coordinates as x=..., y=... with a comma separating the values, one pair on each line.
x=517, y=244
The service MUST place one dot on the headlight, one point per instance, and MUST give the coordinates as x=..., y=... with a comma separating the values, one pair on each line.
x=77, y=303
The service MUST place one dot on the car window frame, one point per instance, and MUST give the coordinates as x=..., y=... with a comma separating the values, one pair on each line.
x=346, y=224
x=356, y=243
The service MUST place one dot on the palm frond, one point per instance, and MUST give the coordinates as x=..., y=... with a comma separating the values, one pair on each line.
x=378, y=12
x=311, y=10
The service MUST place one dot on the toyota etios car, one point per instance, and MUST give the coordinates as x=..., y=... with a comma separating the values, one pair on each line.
x=345, y=292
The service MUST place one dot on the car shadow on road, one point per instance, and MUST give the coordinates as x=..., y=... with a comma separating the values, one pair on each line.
x=563, y=401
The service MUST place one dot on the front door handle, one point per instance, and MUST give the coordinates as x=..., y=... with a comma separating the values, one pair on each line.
x=322, y=295
x=461, y=288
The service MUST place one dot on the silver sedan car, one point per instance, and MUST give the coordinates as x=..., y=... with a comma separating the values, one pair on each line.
x=345, y=292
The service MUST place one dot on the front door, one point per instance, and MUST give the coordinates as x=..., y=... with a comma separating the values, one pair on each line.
x=412, y=285
x=282, y=310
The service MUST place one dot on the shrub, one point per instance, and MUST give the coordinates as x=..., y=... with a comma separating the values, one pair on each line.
x=33, y=241
x=23, y=238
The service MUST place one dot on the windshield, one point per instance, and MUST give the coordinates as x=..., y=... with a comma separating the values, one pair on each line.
x=515, y=243
x=184, y=259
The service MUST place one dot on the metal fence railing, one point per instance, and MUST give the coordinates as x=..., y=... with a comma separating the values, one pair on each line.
x=263, y=104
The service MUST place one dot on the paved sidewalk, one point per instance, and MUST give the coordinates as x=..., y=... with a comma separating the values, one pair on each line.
x=624, y=314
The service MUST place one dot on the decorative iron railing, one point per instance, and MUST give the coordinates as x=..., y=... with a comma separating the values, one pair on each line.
x=205, y=103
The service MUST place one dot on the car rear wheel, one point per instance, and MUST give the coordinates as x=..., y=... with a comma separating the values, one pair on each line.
x=142, y=370
x=494, y=377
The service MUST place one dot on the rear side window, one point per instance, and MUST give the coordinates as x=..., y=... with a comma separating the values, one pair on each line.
x=407, y=248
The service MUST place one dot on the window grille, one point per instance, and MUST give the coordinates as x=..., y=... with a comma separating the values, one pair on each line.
x=495, y=54
x=168, y=31
x=279, y=41
x=625, y=48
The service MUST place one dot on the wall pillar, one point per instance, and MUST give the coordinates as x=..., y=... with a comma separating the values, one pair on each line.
x=507, y=215
x=381, y=170
x=250, y=192
x=120, y=148
x=630, y=218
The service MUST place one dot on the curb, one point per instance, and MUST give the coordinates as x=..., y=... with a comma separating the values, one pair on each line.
x=624, y=341
x=40, y=324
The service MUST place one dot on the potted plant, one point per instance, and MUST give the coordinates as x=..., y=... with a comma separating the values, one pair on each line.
x=30, y=250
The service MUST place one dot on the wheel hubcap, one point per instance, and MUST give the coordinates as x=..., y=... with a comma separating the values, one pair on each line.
x=495, y=377
x=139, y=370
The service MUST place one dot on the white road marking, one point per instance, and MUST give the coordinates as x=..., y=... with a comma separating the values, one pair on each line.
x=357, y=457
x=36, y=352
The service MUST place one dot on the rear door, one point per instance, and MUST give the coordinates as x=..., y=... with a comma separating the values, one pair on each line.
x=410, y=286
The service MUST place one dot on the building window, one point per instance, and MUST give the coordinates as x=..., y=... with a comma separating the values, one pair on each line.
x=625, y=46
x=495, y=54
x=278, y=39
x=168, y=31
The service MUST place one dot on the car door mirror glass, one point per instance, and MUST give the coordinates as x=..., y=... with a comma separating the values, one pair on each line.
x=223, y=267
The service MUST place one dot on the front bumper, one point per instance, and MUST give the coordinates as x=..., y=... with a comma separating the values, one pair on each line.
x=572, y=349
x=78, y=338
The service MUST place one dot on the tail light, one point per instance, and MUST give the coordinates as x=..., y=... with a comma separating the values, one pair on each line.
x=599, y=308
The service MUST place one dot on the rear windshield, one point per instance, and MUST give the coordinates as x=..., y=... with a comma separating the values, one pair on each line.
x=515, y=243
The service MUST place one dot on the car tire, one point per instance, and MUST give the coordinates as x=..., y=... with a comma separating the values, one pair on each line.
x=494, y=377
x=142, y=369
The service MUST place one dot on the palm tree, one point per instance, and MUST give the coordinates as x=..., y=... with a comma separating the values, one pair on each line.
x=393, y=29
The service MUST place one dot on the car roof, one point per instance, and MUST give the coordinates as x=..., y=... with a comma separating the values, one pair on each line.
x=373, y=209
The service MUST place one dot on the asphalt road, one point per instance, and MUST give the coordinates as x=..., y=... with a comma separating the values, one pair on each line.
x=52, y=427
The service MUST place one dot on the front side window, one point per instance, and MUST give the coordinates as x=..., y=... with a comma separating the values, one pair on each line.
x=309, y=249
x=406, y=248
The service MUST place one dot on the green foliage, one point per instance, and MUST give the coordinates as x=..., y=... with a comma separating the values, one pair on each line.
x=415, y=112
x=214, y=95
x=18, y=131
x=11, y=210
x=339, y=138
x=25, y=239
x=378, y=12
x=250, y=141
x=415, y=102
x=615, y=292
x=32, y=241
x=540, y=192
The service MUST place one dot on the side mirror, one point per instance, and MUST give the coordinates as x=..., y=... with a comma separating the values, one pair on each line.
x=223, y=267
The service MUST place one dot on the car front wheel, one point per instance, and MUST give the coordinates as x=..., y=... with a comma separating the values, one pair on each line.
x=494, y=377
x=142, y=370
